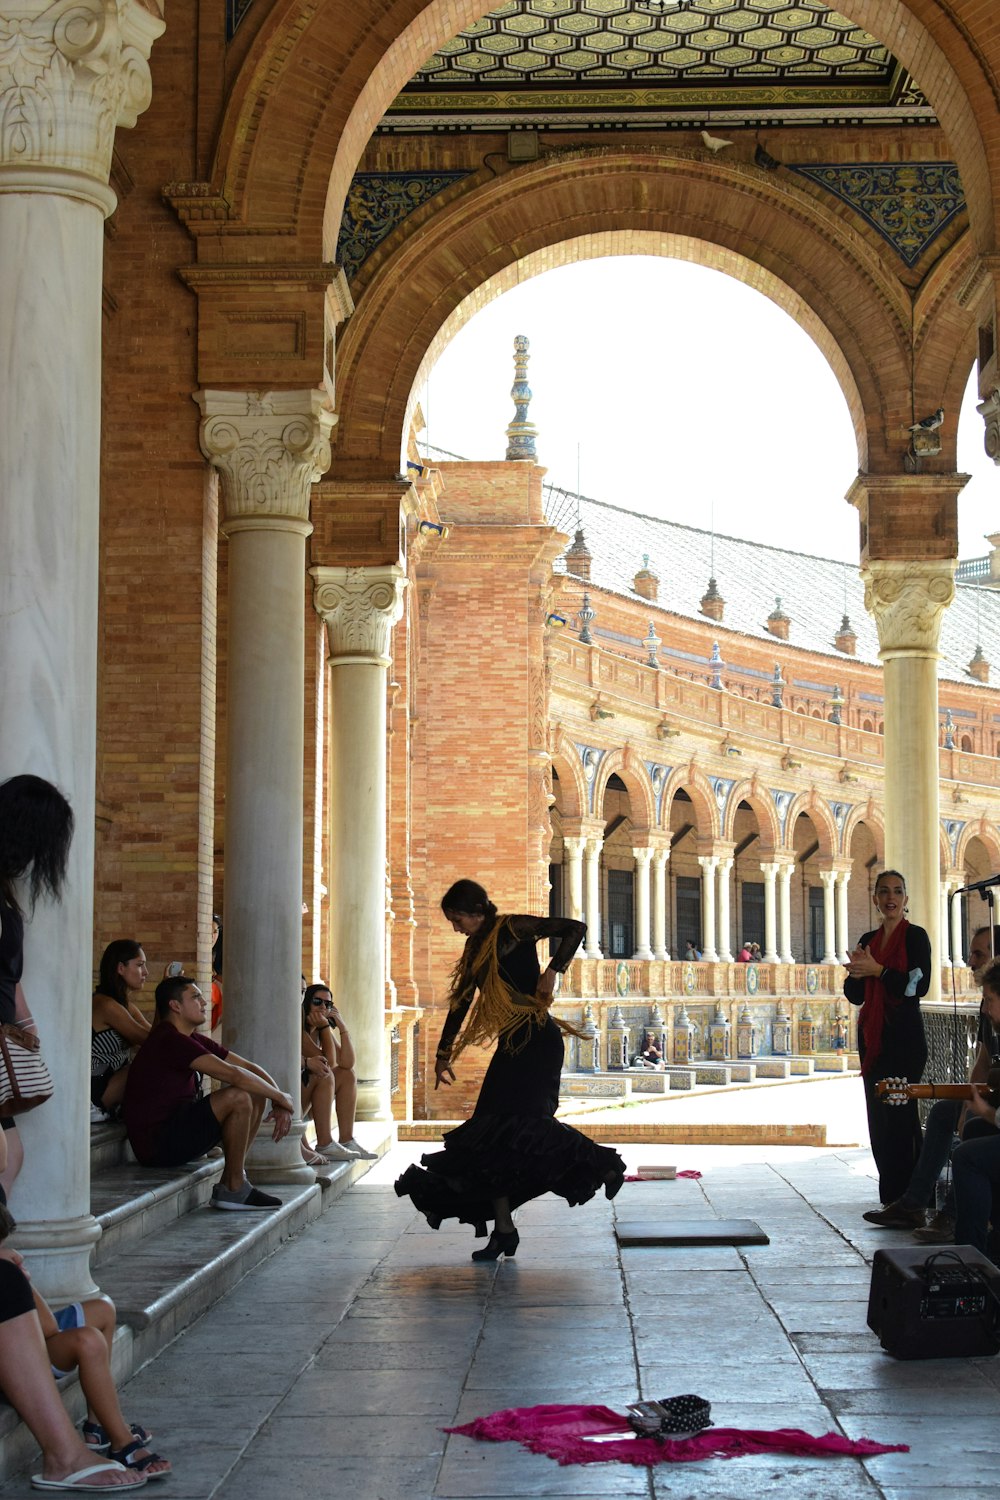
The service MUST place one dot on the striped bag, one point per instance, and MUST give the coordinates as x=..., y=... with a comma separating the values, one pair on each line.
x=25, y=1081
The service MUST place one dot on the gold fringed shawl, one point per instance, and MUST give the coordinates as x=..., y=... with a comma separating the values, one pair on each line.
x=498, y=1011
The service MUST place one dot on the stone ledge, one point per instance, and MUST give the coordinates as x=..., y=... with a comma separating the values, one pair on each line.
x=655, y=1134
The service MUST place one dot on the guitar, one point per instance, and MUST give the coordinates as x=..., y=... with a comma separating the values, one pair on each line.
x=899, y=1091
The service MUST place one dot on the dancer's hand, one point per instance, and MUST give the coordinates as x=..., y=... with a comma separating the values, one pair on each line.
x=443, y=1072
x=546, y=987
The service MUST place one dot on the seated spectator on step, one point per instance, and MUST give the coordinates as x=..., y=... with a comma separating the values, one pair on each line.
x=691, y=953
x=975, y=1164
x=117, y=1024
x=26, y=1382
x=79, y=1337
x=745, y=954
x=328, y=1072
x=942, y=1129
x=170, y=1122
x=216, y=972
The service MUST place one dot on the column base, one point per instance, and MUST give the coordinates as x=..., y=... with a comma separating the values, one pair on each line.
x=592, y=953
x=279, y=1161
x=769, y=958
x=373, y=1099
x=57, y=1254
x=643, y=954
x=709, y=956
x=661, y=955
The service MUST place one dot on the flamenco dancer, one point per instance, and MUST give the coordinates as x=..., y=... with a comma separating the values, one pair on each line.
x=512, y=1149
x=888, y=972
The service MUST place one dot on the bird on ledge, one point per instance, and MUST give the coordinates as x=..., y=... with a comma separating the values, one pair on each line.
x=929, y=424
x=713, y=143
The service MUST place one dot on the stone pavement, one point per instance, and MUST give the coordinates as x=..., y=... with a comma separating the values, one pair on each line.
x=331, y=1369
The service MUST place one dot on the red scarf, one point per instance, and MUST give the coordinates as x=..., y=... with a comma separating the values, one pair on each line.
x=890, y=952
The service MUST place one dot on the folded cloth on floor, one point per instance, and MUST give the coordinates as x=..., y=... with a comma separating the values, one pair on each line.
x=561, y=1432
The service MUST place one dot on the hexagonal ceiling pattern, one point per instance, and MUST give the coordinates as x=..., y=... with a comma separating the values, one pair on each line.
x=576, y=60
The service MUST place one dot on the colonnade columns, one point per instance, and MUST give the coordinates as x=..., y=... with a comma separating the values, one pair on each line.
x=948, y=884
x=770, y=874
x=643, y=858
x=573, y=846
x=269, y=450
x=359, y=607
x=595, y=843
x=785, y=914
x=909, y=530
x=957, y=935
x=843, y=934
x=709, y=864
x=67, y=80
x=660, y=858
x=724, y=920
x=828, y=877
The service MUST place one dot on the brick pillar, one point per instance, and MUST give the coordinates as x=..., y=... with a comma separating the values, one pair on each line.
x=65, y=87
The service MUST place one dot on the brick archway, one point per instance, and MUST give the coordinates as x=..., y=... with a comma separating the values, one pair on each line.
x=321, y=77
x=670, y=201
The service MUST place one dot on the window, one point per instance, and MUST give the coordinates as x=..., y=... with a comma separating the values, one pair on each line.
x=751, y=914
x=620, y=941
x=688, y=913
x=817, y=936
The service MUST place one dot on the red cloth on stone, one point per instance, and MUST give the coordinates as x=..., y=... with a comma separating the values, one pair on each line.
x=891, y=954
x=560, y=1432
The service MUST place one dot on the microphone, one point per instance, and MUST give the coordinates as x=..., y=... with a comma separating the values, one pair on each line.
x=979, y=885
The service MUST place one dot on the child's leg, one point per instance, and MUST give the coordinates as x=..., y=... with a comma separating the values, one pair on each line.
x=85, y=1349
x=99, y=1313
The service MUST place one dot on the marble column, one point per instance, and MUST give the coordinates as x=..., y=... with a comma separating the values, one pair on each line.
x=269, y=449
x=829, y=877
x=68, y=78
x=843, y=924
x=359, y=606
x=709, y=863
x=595, y=843
x=643, y=858
x=785, y=914
x=573, y=847
x=907, y=600
x=944, y=959
x=660, y=858
x=725, y=942
x=770, y=874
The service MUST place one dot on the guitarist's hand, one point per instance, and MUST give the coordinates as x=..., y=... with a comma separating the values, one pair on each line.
x=979, y=1105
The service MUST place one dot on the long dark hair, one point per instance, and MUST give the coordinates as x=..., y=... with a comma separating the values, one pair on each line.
x=309, y=997
x=468, y=898
x=36, y=830
x=109, y=981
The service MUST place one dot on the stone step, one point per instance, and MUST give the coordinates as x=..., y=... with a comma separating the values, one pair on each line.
x=108, y=1147
x=131, y=1202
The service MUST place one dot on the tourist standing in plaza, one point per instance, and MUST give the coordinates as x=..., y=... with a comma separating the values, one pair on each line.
x=36, y=830
x=512, y=1149
x=887, y=974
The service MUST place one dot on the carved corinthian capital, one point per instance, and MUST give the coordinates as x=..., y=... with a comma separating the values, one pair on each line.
x=359, y=607
x=269, y=449
x=70, y=73
x=907, y=600
x=989, y=410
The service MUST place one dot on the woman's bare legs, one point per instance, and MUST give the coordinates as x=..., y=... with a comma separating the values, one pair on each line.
x=86, y=1350
x=318, y=1094
x=346, y=1099
x=114, y=1093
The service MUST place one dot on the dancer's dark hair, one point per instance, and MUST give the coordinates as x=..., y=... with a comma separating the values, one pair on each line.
x=36, y=830
x=468, y=898
x=109, y=981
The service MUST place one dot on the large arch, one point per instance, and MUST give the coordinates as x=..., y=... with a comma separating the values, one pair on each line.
x=573, y=793
x=812, y=804
x=317, y=79
x=667, y=200
x=764, y=810
x=695, y=783
x=637, y=782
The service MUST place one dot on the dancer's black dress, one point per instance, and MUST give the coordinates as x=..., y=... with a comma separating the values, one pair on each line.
x=512, y=1147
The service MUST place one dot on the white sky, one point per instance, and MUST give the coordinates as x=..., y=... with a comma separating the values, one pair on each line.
x=700, y=393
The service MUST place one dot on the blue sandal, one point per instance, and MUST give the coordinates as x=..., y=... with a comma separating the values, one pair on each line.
x=95, y=1437
x=129, y=1458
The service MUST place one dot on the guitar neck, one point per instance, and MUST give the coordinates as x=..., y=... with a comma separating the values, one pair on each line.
x=938, y=1091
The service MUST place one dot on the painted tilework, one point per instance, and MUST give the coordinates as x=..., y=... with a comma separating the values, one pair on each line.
x=377, y=203
x=909, y=204
x=235, y=11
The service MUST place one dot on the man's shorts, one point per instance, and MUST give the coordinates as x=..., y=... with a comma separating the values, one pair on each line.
x=191, y=1131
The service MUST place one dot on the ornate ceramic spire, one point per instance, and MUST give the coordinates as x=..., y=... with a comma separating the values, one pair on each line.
x=521, y=433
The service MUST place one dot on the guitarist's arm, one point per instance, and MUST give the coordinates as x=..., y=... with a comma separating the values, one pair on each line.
x=978, y=1105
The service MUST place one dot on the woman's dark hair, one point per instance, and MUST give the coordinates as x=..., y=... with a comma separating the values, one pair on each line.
x=309, y=998
x=7, y=1223
x=171, y=988
x=468, y=898
x=217, y=959
x=109, y=981
x=36, y=830
x=884, y=874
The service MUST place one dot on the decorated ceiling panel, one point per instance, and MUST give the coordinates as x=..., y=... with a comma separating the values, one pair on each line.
x=577, y=59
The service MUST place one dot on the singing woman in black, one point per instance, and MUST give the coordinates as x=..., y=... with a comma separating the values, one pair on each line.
x=513, y=1148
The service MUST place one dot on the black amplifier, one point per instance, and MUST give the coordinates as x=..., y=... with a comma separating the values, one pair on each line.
x=935, y=1304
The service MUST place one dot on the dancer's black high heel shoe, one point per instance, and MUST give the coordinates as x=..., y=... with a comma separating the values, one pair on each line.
x=499, y=1244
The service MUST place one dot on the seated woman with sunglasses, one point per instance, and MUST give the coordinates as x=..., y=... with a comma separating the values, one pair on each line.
x=328, y=1082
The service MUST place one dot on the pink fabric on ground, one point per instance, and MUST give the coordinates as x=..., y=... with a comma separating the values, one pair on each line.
x=634, y=1176
x=560, y=1432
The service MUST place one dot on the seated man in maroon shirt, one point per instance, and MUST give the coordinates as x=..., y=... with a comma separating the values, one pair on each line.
x=167, y=1119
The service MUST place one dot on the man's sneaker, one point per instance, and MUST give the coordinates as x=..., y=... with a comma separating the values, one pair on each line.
x=896, y=1216
x=243, y=1200
x=335, y=1151
x=358, y=1151
x=98, y=1116
x=938, y=1231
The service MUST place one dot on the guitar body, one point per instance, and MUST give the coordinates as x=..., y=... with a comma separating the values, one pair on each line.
x=900, y=1091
